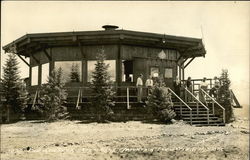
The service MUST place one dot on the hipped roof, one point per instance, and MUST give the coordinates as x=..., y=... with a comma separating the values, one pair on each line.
x=31, y=43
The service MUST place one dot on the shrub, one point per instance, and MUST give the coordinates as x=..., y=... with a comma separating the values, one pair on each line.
x=159, y=102
x=102, y=89
x=224, y=95
x=13, y=90
x=53, y=97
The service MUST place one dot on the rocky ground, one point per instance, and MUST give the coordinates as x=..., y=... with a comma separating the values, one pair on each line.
x=132, y=140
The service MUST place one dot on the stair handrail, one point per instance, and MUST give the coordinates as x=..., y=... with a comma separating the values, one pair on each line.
x=200, y=103
x=190, y=109
x=224, y=116
x=34, y=100
x=180, y=99
x=197, y=99
x=78, y=99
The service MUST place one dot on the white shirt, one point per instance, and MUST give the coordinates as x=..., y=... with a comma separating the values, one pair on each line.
x=149, y=83
x=139, y=82
x=203, y=84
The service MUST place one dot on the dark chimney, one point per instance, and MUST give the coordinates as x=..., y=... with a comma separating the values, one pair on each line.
x=109, y=27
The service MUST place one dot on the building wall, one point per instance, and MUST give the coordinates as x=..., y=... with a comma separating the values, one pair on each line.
x=143, y=58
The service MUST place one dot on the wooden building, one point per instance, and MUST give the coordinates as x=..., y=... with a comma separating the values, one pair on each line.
x=129, y=54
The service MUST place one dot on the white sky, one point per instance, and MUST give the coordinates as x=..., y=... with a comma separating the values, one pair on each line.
x=225, y=28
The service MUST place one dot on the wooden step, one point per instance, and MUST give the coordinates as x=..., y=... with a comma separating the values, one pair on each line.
x=200, y=118
x=188, y=115
x=204, y=121
x=213, y=124
x=193, y=112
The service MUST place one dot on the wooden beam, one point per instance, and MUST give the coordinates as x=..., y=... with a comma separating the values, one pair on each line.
x=23, y=60
x=47, y=54
x=37, y=61
x=178, y=59
x=183, y=61
x=81, y=49
x=189, y=62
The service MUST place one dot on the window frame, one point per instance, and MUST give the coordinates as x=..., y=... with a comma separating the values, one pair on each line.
x=80, y=69
x=165, y=72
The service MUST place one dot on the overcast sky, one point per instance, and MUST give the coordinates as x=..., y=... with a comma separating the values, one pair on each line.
x=225, y=27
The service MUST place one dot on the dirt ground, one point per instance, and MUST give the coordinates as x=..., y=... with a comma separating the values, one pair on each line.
x=72, y=140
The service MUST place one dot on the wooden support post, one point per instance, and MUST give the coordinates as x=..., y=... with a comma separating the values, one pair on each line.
x=84, y=63
x=51, y=63
x=183, y=74
x=39, y=74
x=81, y=50
x=119, y=65
x=179, y=72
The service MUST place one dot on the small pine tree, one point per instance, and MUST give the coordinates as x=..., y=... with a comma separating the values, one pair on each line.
x=159, y=102
x=102, y=89
x=12, y=88
x=74, y=75
x=224, y=95
x=53, y=97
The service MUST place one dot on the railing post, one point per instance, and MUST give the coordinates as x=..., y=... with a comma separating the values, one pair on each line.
x=224, y=116
x=197, y=107
x=80, y=95
x=191, y=117
x=207, y=116
x=181, y=109
x=213, y=107
x=128, y=106
x=78, y=99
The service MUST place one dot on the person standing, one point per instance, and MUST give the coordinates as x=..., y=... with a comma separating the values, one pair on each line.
x=214, y=91
x=149, y=84
x=139, y=84
x=177, y=86
x=189, y=87
x=203, y=85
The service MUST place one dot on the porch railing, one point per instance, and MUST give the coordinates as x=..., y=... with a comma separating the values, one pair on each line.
x=198, y=101
x=214, y=101
x=121, y=92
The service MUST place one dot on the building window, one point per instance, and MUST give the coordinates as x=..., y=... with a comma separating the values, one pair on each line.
x=34, y=76
x=45, y=73
x=111, y=69
x=168, y=73
x=154, y=71
x=127, y=71
x=71, y=70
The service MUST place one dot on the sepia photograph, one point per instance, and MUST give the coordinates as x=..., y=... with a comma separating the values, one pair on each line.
x=87, y=80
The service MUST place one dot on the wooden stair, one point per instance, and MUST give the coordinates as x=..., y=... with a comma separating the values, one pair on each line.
x=199, y=115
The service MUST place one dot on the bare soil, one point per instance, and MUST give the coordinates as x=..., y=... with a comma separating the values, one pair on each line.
x=72, y=140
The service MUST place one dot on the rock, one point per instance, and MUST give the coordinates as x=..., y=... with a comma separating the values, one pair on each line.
x=210, y=132
x=245, y=132
x=173, y=120
x=183, y=134
x=27, y=148
x=57, y=144
x=192, y=137
x=226, y=133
